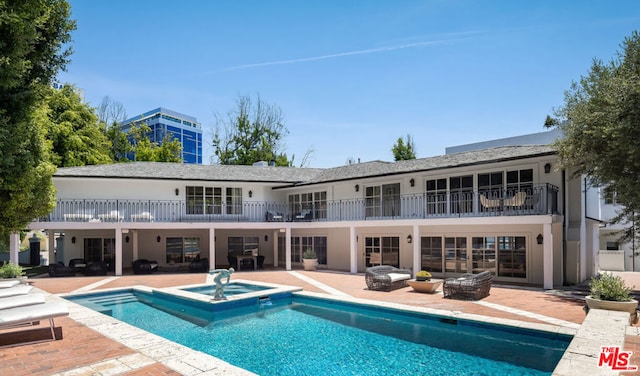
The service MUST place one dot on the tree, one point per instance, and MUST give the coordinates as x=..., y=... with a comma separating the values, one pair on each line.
x=250, y=133
x=77, y=137
x=169, y=149
x=600, y=120
x=404, y=150
x=111, y=111
x=33, y=48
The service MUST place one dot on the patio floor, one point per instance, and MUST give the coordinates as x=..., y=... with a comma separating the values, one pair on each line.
x=83, y=351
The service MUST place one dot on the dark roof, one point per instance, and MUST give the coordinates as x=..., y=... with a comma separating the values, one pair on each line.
x=302, y=176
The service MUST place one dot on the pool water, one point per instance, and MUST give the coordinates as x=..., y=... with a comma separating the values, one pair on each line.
x=300, y=335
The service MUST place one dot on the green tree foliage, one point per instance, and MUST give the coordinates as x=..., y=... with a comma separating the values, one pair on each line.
x=120, y=145
x=33, y=39
x=404, y=150
x=251, y=133
x=169, y=150
x=600, y=120
x=77, y=137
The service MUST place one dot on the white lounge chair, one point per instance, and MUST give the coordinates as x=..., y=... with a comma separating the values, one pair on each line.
x=517, y=200
x=18, y=316
x=21, y=300
x=15, y=290
x=9, y=283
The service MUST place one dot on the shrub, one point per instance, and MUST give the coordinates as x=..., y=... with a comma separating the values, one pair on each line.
x=423, y=273
x=9, y=270
x=609, y=287
x=309, y=254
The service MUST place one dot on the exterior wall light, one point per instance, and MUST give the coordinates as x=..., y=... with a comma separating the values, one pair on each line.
x=177, y=191
x=539, y=239
x=357, y=188
x=409, y=238
x=73, y=240
x=266, y=238
x=547, y=168
x=412, y=182
x=250, y=194
x=158, y=238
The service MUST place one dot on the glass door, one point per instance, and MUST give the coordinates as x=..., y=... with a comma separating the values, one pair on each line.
x=455, y=255
x=384, y=250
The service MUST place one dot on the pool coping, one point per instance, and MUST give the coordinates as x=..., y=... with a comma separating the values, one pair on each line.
x=187, y=361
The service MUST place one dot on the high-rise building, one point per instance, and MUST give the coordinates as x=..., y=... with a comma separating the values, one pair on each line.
x=181, y=127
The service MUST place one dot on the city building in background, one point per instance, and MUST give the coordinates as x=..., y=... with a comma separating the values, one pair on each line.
x=184, y=128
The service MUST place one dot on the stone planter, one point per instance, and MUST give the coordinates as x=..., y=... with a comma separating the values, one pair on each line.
x=630, y=306
x=310, y=264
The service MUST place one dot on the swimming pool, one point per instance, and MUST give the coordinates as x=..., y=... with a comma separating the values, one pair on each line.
x=233, y=288
x=303, y=333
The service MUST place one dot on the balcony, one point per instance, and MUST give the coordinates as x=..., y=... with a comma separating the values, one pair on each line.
x=533, y=200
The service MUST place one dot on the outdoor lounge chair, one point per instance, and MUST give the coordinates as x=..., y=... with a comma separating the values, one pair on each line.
x=143, y=266
x=59, y=270
x=21, y=300
x=15, y=290
x=25, y=315
x=199, y=266
x=386, y=277
x=9, y=283
x=468, y=286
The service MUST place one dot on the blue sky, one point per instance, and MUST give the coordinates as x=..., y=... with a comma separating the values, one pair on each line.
x=351, y=77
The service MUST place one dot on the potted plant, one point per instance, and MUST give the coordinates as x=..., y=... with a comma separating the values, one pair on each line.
x=423, y=275
x=310, y=259
x=11, y=271
x=610, y=292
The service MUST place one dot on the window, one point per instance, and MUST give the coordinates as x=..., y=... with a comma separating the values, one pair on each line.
x=234, y=200
x=520, y=181
x=100, y=249
x=455, y=254
x=483, y=254
x=180, y=250
x=314, y=203
x=431, y=253
x=613, y=246
x=237, y=245
x=302, y=243
x=436, y=196
x=382, y=200
x=209, y=200
x=512, y=256
x=387, y=246
x=609, y=196
x=461, y=190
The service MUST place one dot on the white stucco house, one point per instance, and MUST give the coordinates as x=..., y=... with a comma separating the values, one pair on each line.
x=507, y=209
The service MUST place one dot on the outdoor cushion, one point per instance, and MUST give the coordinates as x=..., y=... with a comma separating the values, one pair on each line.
x=21, y=300
x=16, y=290
x=27, y=314
x=9, y=283
x=398, y=276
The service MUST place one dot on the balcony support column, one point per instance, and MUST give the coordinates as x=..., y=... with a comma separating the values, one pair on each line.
x=118, y=250
x=287, y=248
x=276, y=239
x=212, y=248
x=417, y=265
x=52, y=247
x=547, y=256
x=353, y=251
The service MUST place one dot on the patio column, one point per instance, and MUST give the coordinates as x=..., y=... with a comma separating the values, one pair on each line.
x=287, y=248
x=118, y=232
x=14, y=248
x=212, y=248
x=547, y=256
x=52, y=247
x=276, y=246
x=353, y=251
x=134, y=239
x=417, y=265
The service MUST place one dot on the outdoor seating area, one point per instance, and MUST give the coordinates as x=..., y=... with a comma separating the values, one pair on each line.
x=144, y=266
x=199, y=266
x=386, y=277
x=468, y=286
x=20, y=307
x=76, y=266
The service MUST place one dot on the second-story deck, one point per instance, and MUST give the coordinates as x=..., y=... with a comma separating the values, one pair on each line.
x=534, y=200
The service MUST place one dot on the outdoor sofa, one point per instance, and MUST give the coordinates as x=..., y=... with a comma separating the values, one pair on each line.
x=386, y=277
x=468, y=286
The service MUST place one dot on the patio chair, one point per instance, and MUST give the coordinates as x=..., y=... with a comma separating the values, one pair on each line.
x=59, y=270
x=386, y=277
x=144, y=266
x=199, y=266
x=31, y=314
x=96, y=268
x=468, y=286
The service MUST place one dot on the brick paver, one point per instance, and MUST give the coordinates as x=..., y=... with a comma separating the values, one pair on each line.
x=82, y=346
